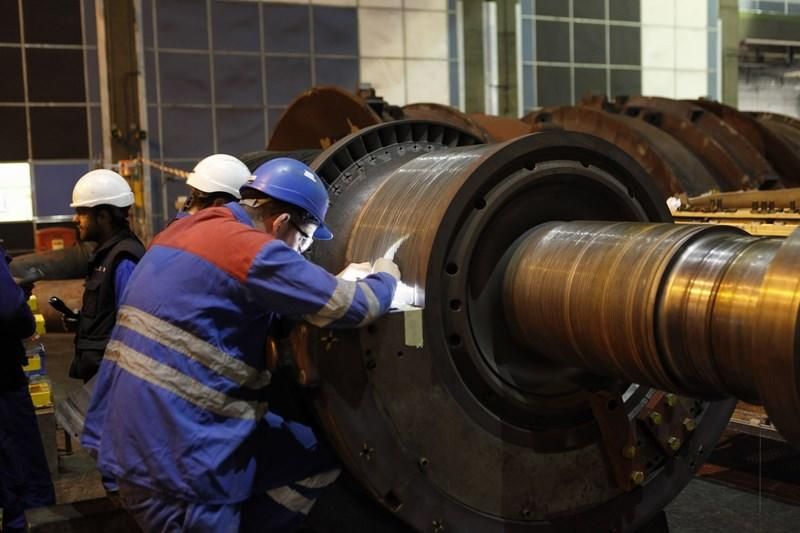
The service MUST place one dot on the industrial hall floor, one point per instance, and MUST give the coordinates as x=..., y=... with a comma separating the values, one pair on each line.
x=703, y=507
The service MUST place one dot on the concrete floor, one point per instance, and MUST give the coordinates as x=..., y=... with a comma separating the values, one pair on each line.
x=703, y=507
x=706, y=507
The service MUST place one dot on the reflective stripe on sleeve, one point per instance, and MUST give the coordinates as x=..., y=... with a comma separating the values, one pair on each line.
x=336, y=307
x=373, y=305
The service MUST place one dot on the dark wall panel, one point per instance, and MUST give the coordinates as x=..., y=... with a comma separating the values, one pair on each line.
x=11, y=86
x=59, y=133
x=52, y=21
x=13, y=134
x=53, y=184
x=55, y=75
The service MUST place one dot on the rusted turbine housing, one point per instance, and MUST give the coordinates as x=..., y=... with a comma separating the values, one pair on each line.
x=449, y=422
x=725, y=152
x=675, y=169
x=319, y=117
x=777, y=150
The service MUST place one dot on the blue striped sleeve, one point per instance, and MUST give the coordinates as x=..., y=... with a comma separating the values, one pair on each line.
x=286, y=283
x=121, y=276
x=12, y=296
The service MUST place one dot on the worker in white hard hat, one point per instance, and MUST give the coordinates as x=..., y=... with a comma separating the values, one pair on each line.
x=213, y=182
x=102, y=199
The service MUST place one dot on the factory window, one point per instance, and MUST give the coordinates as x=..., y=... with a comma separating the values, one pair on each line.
x=784, y=7
x=49, y=108
x=15, y=193
x=219, y=74
x=572, y=48
x=409, y=50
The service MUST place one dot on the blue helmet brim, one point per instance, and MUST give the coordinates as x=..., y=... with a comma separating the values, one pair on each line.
x=323, y=233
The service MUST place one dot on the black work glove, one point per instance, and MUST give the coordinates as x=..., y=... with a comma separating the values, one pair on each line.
x=27, y=288
x=70, y=322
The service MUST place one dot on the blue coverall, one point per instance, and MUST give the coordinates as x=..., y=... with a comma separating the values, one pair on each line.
x=179, y=414
x=24, y=476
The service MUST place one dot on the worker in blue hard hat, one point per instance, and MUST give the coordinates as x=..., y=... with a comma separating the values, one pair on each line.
x=200, y=452
x=24, y=476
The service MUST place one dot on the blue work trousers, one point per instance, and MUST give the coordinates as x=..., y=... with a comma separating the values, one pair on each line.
x=24, y=476
x=294, y=468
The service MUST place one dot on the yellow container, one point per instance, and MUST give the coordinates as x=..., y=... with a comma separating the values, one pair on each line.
x=40, y=329
x=40, y=394
x=34, y=363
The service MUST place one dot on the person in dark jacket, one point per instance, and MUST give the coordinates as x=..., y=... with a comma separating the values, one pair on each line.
x=101, y=199
x=24, y=477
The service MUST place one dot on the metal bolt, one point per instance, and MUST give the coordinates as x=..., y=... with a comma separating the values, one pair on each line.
x=423, y=463
x=674, y=443
x=438, y=526
x=655, y=418
x=629, y=452
x=671, y=400
x=637, y=476
x=367, y=451
x=689, y=424
x=526, y=513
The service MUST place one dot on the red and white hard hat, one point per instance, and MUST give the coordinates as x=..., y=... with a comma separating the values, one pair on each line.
x=101, y=187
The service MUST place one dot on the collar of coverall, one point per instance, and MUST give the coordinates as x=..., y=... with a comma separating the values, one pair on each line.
x=239, y=213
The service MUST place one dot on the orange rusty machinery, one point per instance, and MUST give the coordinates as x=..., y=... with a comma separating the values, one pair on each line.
x=690, y=147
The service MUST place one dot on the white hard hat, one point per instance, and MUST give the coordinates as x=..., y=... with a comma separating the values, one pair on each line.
x=101, y=187
x=219, y=173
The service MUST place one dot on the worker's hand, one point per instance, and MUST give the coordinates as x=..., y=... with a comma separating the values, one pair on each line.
x=355, y=271
x=27, y=288
x=70, y=322
x=386, y=265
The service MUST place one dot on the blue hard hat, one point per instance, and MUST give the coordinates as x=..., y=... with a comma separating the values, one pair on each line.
x=291, y=181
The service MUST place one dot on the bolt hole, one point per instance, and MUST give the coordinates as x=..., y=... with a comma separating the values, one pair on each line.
x=649, y=464
x=451, y=269
x=392, y=501
x=372, y=328
x=612, y=404
x=454, y=340
x=371, y=364
x=480, y=203
x=455, y=305
x=400, y=354
x=368, y=352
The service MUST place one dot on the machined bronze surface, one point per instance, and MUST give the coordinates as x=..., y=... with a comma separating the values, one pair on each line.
x=703, y=311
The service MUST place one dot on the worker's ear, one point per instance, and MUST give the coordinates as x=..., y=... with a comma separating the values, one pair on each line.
x=102, y=216
x=279, y=225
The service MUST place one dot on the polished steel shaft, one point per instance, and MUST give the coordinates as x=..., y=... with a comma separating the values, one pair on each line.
x=707, y=311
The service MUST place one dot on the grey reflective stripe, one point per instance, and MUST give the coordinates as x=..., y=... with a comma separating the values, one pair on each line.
x=320, y=480
x=373, y=305
x=192, y=347
x=181, y=385
x=291, y=499
x=338, y=304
